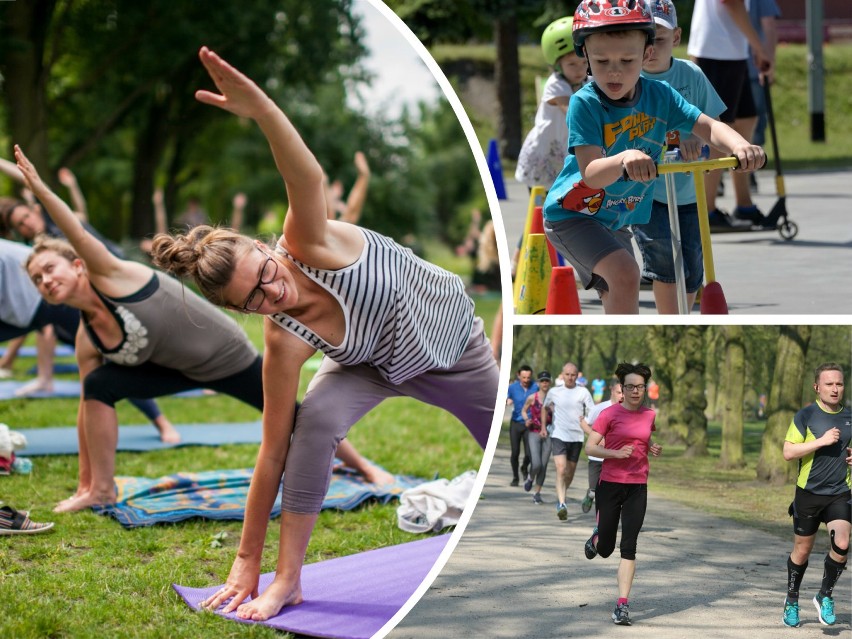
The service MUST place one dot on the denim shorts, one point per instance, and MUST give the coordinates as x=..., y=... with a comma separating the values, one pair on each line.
x=655, y=243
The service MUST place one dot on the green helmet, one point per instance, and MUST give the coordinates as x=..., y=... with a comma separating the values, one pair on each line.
x=556, y=40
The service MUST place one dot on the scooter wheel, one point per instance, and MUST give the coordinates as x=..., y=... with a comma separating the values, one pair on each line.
x=788, y=230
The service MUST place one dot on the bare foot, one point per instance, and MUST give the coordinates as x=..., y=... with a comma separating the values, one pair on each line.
x=35, y=386
x=270, y=603
x=168, y=434
x=84, y=501
x=77, y=493
x=378, y=476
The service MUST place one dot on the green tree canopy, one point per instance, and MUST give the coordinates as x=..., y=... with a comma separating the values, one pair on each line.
x=107, y=88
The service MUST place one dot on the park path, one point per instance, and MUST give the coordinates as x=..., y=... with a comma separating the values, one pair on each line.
x=519, y=572
x=759, y=272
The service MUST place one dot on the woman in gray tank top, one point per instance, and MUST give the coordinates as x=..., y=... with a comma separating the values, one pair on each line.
x=389, y=323
x=141, y=335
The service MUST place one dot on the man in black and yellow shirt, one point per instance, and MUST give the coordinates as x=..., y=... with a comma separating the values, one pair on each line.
x=820, y=438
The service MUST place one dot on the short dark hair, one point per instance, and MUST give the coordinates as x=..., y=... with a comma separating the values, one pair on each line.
x=625, y=368
x=828, y=366
x=7, y=205
x=523, y=368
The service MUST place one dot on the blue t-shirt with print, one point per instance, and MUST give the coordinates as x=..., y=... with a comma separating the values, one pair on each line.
x=595, y=120
x=689, y=80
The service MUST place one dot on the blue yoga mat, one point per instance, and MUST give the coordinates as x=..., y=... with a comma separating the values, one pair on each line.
x=58, y=368
x=64, y=388
x=222, y=495
x=62, y=350
x=62, y=440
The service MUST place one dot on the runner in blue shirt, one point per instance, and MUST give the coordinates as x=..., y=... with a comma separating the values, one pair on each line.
x=519, y=390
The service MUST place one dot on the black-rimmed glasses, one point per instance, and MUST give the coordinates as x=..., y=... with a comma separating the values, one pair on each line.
x=267, y=275
x=632, y=387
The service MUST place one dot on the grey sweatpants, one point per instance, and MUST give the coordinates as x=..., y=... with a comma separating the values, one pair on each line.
x=338, y=396
x=540, y=449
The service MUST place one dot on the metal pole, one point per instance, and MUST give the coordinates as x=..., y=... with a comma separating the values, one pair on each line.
x=677, y=244
x=816, y=81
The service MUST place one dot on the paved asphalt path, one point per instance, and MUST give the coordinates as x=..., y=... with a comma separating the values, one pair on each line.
x=519, y=572
x=760, y=273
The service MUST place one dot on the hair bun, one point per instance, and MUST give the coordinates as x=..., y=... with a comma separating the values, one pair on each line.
x=174, y=254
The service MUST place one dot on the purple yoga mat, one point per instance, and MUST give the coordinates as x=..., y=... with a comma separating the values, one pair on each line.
x=348, y=597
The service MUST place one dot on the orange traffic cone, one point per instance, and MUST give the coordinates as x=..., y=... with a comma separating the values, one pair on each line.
x=562, y=298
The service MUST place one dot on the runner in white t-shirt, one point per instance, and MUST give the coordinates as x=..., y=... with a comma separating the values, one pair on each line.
x=568, y=404
x=616, y=396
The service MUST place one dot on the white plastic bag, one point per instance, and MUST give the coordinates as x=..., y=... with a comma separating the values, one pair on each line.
x=10, y=441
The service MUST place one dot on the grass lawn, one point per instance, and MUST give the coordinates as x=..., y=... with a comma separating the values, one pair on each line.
x=90, y=577
x=734, y=494
x=789, y=96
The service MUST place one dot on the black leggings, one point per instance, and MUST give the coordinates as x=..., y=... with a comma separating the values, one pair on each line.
x=518, y=434
x=112, y=382
x=626, y=502
x=65, y=321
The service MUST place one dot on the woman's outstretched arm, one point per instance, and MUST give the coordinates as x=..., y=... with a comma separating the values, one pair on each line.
x=91, y=250
x=110, y=274
x=306, y=222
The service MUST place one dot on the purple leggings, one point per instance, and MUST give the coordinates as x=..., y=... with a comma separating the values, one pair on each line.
x=338, y=396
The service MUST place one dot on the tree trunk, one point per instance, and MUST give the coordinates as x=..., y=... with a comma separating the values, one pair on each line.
x=507, y=78
x=713, y=374
x=25, y=78
x=150, y=146
x=733, y=391
x=660, y=341
x=688, y=401
x=785, y=398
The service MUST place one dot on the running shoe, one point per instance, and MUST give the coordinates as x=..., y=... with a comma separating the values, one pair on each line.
x=537, y=499
x=621, y=616
x=588, y=500
x=562, y=512
x=514, y=482
x=528, y=484
x=791, y=614
x=825, y=608
x=590, y=547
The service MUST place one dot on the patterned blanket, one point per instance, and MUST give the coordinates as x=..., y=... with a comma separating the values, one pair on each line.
x=222, y=494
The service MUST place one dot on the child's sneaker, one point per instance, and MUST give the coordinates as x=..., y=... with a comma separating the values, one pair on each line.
x=749, y=213
x=825, y=608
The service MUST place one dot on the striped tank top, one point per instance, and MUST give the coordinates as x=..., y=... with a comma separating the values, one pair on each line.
x=403, y=315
